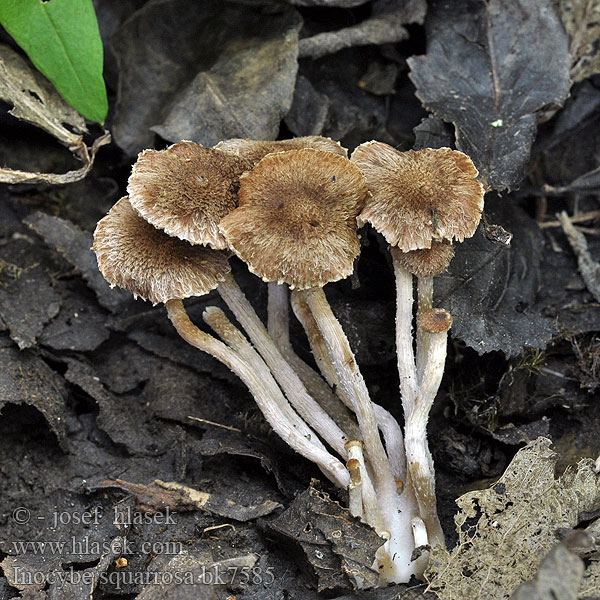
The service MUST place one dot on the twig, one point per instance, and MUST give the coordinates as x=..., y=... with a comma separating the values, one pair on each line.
x=589, y=269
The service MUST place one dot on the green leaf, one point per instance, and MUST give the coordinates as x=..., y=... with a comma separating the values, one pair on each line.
x=62, y=39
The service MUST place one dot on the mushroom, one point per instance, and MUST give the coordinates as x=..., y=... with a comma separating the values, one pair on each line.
x=147, y=262
x=186, y=190
x=436, y=322
x=420, y=202
x=296, y=224
x=255, y=150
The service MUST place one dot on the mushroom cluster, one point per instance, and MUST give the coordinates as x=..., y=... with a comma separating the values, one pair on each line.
x=290, y=211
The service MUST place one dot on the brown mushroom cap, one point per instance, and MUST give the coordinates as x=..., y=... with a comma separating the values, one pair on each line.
x=255, y=150
x=186, y=190
x=296, y=222
x=148, y=263
x=426, y=262
x=419, y=196
x=435, y=320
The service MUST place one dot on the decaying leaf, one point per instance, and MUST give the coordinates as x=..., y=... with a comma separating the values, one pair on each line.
x=229, y=72
x=491, y=288
x=246, y=93
x=505, y=531
x=380, y=29
x=581, y=19
x=70, y=241
x=489, y=67
x=27, y=379
x=559, y=576
x=179, y=497
x=27, y=302
x=49, y=578
x=195, y=576
x=35, y=101
x=340, y=548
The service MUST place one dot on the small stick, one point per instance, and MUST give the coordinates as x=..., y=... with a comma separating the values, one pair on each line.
x=589, y=269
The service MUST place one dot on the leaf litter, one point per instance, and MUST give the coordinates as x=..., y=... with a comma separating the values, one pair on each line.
x=506, y=530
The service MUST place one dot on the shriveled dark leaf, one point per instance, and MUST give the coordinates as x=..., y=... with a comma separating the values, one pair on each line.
x=247, y=91
x=337, y=546
x=354, y=115
x=75, y=245
x=200, y=573
x=379, y=29
x=559, y=576
x=201, y=78
x=79, y=325
x=309, y=109
x=126, y=421
x=27, y=379
x=159, y=495
x=491, y=289
x=432, y=132
x=489, y=67
x=27, y=302
x=581, y=19
x=172, y=64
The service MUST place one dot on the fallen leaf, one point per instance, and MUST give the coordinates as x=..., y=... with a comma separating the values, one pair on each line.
x=248, y=90
x=379, y=29
x=340, y=548
x=199, y=74
x=79, y=326
x=308, y=113
x=489, y=68
x=27, y=302
x=201, y=576
x=491, y=288
x=581, y=19
x=35, y=101
x=27, y=379
x=505, y=531
x=64, y=43
x=178, y=497
x=559, y=576
x=75, y=244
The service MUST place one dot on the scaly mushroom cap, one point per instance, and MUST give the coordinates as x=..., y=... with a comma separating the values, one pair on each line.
x=419, y=196
x=255, y=150
x=186, y=190
x=148, y=263
x=426, y=262
x=296, y=222
x=435, y=320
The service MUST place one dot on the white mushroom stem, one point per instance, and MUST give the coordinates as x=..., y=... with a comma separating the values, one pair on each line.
x=354, y=387
x=424, y=303
x=355, y=504
x=404, y=339
x=395, y=562
x=285, y=375
x=391, y=431
x=317, y=387
x=370, y=506
x=420, y=462
x=262, y=386
x=278, y=314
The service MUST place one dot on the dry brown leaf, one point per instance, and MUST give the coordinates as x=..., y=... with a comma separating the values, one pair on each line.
x=35, y=101
x=581, y=19
x=505, y=531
